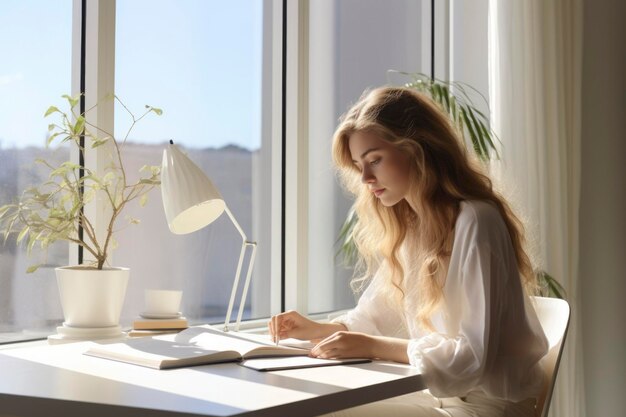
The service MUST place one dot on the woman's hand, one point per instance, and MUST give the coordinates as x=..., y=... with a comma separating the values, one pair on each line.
x=345, y=344
x=294, y=324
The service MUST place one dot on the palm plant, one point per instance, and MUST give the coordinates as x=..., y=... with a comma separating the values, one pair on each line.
x=454, y=99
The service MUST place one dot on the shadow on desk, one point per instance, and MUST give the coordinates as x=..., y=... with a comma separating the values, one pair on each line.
x=52, y=391
x=60, y=381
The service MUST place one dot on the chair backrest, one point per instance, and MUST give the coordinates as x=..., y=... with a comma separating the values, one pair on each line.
x=553, y=314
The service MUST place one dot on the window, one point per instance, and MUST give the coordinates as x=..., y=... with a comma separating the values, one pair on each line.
x=345, y=58
x=35, y=72
x=212, y=76
x=216, y=69
x=352, y=45
x=201, y=62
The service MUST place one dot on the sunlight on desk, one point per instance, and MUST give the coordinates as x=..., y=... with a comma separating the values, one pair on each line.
x=60, y=380
x=352, y=376
x=188, y=382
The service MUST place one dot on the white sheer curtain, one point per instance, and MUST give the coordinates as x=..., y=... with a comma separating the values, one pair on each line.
x=535, y=66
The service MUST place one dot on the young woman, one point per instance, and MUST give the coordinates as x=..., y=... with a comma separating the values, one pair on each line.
x=443, y=260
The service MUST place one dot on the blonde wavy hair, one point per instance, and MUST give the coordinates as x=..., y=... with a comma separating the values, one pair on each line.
x=442, y=175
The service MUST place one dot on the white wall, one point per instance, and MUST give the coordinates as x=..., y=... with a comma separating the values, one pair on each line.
x=603, y=207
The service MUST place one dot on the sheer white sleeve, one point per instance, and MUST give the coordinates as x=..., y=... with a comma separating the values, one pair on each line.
x=373, y=314
x=493, y=340
x=454, y=364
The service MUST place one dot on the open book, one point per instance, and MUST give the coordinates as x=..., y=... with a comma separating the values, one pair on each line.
x=202, y=345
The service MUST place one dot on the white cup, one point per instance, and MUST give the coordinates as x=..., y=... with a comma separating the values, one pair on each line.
x=163, y=302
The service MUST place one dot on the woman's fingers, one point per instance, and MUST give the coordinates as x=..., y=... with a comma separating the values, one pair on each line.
x=343, y=344
x=274, y=327
x=325, y=347
x=280, y=326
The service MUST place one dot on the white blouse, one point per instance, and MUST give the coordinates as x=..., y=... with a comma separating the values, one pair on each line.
x=487, y=336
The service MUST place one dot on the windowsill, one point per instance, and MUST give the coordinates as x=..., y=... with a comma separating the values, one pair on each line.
x=258, y=326
x=12, y=338
x=23, y=344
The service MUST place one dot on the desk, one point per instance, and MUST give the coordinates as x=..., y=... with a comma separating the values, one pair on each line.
x=59, y=380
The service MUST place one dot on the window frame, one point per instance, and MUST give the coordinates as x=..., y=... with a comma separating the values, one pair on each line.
x=296, y=235
x=284, y=126
x=288, y=139
x=98, y=66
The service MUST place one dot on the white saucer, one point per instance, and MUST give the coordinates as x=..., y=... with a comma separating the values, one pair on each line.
x=67, y=334
x=157, y=315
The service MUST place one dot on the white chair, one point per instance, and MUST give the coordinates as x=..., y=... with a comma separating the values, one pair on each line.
x=554, y=316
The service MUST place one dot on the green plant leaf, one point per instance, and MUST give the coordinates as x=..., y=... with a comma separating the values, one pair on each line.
x=32, y=268
x=446, y=98
x=453, y=109
x=51, y=138
x=5, y=209
x=487, y=135
x=471, y=132
x=31, y=243
x=155, y=169
x=91, y=177
x=99, y=142
x=108, y=178
x=89, y=195
x=79, y=125
x=143, y=200
x=51, y=109
x=149, y=181
x=155, y=110
x=73, y=101
x=484, y=152
x=22, y=234
x=549, y=286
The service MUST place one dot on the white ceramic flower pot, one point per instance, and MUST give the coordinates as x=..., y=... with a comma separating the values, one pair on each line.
x=92, y=298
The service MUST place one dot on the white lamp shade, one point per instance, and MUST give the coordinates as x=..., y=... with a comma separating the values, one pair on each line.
x=190, y=199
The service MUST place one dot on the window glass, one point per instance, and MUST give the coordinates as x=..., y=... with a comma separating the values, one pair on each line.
x=35, y=72
x=346, y=57
x=201, y=62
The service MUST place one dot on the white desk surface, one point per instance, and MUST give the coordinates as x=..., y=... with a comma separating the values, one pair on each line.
x=60, y=381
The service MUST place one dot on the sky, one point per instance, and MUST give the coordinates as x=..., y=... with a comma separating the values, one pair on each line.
x=198, y=60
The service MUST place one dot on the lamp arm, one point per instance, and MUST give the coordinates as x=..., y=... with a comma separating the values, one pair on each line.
x=235, y=223
x=245, y=243
x=246, y=285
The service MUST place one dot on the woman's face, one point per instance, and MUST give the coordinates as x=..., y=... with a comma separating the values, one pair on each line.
x=384, y=168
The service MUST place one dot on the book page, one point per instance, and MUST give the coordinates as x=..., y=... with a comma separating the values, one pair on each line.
x=160, y=352
x=246, y=344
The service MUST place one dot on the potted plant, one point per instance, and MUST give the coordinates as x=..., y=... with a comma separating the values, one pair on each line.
x=91, y=294
x=454, y=98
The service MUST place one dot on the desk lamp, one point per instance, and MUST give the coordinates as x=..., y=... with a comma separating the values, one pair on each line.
x=191, y=202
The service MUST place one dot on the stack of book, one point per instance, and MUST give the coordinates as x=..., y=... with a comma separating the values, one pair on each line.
x=143, y=326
